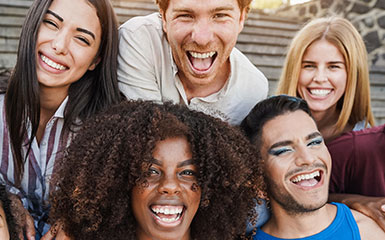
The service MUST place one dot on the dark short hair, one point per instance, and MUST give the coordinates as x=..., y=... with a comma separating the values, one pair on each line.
x=268, y=109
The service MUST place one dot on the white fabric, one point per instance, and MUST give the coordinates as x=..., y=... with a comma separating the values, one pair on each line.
x=147, y=71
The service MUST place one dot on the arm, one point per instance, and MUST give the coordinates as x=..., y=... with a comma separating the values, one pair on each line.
x=136, y=68
x=56, y=232
x=367, y=227
x=373, y=207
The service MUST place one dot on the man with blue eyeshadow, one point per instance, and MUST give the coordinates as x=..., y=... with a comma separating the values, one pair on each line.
x=297, y=172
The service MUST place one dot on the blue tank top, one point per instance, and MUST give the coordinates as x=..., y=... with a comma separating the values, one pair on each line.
x=343, y=227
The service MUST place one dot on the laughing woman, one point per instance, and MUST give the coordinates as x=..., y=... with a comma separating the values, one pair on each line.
x=147, y=171
x=65, y=72
x=327, y=66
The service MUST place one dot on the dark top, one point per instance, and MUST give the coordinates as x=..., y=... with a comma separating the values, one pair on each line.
x=358, y=162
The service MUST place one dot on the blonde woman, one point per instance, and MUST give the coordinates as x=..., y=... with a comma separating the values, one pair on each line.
x=327, y=66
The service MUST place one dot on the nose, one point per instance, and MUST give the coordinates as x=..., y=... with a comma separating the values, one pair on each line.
x=60, y=43
x=304, y=157
x=320, y=76
x=169, y=185
x=202, y=33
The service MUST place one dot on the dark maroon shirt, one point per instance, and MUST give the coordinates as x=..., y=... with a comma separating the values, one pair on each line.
x=358, y=162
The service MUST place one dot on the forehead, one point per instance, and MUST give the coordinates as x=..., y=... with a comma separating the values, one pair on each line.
x=290, y=126
x=318, y=47
x=172, y=151
x=203, y=5
x=78, y=12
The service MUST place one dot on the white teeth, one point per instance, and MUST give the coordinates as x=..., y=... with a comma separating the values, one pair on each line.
x=202, y=55
x=168, y=220
x=306, y=176
x=167, y=210
x=320, y=92
x=51, y=63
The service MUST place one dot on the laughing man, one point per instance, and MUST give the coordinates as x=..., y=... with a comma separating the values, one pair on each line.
x=297, y=171
x=186, y=54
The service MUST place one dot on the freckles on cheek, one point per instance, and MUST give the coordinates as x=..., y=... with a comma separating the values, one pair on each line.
x=194, y=187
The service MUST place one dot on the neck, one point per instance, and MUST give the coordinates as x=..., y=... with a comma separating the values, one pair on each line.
x=326, y=121
x=207, y=86
x=50, y=100
x=288, y=225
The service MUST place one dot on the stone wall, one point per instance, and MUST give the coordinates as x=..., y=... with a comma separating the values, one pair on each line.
x=367, y=15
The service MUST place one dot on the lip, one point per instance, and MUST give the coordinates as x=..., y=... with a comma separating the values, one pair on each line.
x=198, y=72
x=48, y=68
x=307, y=188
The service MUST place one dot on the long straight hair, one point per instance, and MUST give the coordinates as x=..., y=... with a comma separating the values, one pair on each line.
x=354, y=105
x=93, y=92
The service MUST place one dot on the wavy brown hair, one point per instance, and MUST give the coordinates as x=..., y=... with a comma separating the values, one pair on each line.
x=112, y=154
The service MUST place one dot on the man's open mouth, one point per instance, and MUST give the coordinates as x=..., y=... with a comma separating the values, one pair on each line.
x=308, y=179
x=202, y=61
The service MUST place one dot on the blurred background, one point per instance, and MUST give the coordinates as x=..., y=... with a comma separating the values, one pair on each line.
x=270, y=26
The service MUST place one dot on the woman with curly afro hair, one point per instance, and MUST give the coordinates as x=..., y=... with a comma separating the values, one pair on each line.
x=148, y=171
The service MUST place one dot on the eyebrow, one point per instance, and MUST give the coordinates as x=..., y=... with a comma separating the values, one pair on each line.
x=332, y=62
x=313, y=135
x=86, y=31
x=181, y=164
x=55, y=15
x=77, y=29
x=218, y=9
x=288, y=142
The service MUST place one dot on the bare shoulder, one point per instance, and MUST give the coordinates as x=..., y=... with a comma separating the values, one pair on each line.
x=368, y=227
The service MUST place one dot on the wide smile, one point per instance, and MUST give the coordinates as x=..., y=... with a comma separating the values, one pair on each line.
x=308, y=180
x=319, y=92
x=201, y=62
x=51, y=63
x=168, y=215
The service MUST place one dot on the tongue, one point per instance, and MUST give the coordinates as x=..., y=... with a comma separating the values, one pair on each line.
x=201, y=64
x=307, y=183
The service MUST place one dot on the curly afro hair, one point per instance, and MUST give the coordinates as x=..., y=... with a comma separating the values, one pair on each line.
x=12, y=214
x=112, y=153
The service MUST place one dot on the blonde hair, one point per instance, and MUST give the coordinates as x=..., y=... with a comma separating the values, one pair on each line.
x=354, y=105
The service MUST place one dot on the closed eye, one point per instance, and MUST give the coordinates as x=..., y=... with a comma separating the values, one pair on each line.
x=279, y=151
x=49, y=22
x=315, y=142
x=84, y=40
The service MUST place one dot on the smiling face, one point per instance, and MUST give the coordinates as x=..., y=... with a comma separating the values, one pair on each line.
x=297, y=163
x=67, y=43
x=166, y=207
x=202, y=34
x=323, y=76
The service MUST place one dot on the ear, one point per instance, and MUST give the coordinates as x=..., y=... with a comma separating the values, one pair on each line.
x=94, y=64
x=242, y=19
x=163, y=15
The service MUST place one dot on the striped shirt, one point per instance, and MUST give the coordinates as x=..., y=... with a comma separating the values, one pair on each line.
x=39, y=165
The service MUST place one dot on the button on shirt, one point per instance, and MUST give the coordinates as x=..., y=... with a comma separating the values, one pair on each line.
x=147, y=71
x=39, y=165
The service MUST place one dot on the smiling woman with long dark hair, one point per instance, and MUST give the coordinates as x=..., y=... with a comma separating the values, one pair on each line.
x=65, y=72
